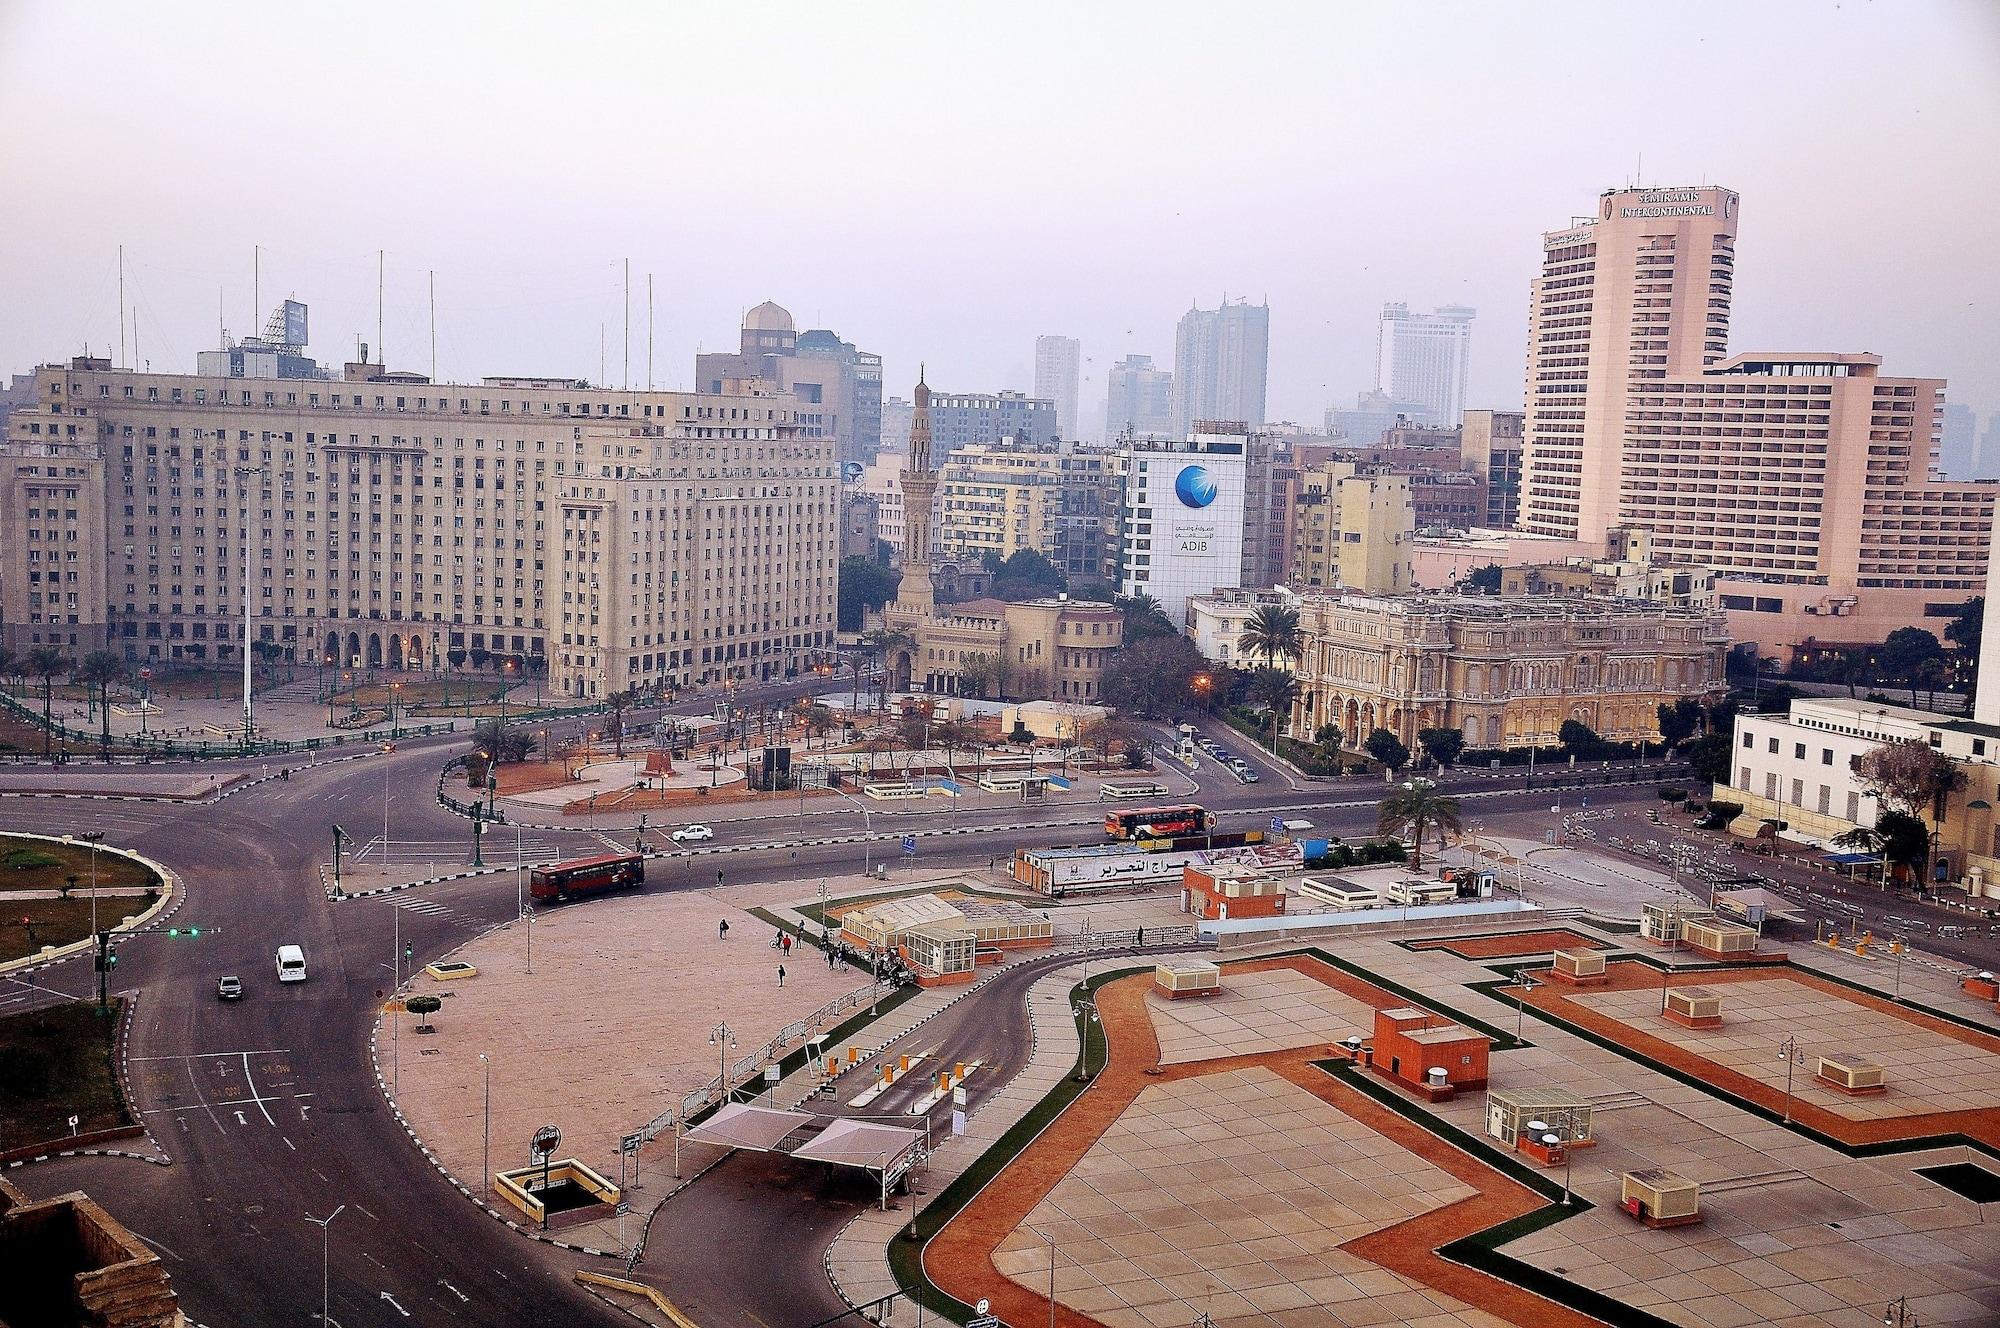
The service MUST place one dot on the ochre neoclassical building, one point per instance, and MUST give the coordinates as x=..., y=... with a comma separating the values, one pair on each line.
x=1505, y=672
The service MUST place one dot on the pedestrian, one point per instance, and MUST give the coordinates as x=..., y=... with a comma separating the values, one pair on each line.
x=722, y=930
x=829, y=959
x=787, y=947
x=781, y=975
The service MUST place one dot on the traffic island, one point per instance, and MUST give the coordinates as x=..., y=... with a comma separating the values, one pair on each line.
x=59, y=1085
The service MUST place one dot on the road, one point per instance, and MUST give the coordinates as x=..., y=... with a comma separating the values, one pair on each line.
x=269, y=1109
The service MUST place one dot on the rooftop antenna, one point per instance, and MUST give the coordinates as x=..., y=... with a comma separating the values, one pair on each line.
x=600, y=352
x=434, y=325
x=123, y=363
x=627, y=371
x=256, y=290
x=649, y=331
x=381, y=264
x=135, y=337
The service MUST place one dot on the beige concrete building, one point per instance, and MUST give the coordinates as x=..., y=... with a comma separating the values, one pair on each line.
x=882, y=480
x=1352, y=530
x=1627, y=570
x=618, y=539
x=1504, y=672
x=1054, y=647
x=1805, y=479
x=1215, y=623
x=1490, y=447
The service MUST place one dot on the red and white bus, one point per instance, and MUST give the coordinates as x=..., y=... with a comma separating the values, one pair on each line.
x=1158, y=822
x=587, y=876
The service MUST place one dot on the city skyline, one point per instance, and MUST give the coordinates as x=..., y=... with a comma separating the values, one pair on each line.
x=530, y=293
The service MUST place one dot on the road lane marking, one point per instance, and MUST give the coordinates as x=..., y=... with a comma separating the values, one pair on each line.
x=398, y=1308
x=371, y=1216
x=289, y=1144
x=156, y=1244
x=201, y=1100
x=455, y=1291
x=255, y=1096
x=205, y=1055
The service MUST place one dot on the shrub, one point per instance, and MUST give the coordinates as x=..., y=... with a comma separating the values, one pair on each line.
x=27, y=859
x=1671, y=793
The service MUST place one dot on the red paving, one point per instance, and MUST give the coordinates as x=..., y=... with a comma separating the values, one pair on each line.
x=960, y=1258
x=1983, y=1124
x=1512, y=944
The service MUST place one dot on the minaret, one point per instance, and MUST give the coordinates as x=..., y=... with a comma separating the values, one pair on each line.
x=919, y=482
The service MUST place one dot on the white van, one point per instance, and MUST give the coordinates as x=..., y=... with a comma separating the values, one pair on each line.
x=291, y=964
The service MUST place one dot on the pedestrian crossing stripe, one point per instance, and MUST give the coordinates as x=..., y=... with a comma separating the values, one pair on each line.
x=420, y=906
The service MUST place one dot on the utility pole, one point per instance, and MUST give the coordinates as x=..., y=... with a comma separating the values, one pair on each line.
x=107, y=959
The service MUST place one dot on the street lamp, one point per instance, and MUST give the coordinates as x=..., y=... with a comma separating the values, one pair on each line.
x=1896, y=1314
x=325, y=1225
x=1794, y=1057
x=723, y=1041
x=1523, y=984
x=244, y=473
x=387, y=748
x=1086, y=1014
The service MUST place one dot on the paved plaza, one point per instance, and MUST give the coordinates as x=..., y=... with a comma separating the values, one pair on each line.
x=1926, y=1069
x=1274, y=1010
x=610, y=1029
x=1231, y=1195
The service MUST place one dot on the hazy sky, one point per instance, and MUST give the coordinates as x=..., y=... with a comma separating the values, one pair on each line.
x=945, y=181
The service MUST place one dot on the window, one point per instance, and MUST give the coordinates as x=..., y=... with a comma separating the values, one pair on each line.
x=1774, y=747
x=1798, y=751
x=1826, y=756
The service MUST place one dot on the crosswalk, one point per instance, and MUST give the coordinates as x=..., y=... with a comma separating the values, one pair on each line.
x=430, y=908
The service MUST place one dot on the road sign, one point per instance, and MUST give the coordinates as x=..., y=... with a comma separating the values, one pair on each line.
x=546, y=1140
x=146, y=674
x=629, y=1144
x=1277, y=824
x=909, y=846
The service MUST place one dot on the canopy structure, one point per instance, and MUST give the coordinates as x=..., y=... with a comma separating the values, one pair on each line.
x=740, y=1125
x=888, y=1150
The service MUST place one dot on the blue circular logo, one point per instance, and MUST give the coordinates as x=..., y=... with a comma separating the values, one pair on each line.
x=1194, y=486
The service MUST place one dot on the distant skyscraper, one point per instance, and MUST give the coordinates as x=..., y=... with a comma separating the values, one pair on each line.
x=1958, y=445
x=969, y=419
x=1058, y=367
x=1139, y=399
x=1986, y=461
x=1220, y=361
x=1425, y=358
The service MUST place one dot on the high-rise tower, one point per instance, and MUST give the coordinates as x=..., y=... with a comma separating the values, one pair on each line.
x=1636, y=294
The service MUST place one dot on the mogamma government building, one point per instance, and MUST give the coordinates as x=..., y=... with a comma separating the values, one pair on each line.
x=613, y=538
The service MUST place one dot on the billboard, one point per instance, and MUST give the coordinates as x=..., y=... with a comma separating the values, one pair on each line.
x=295, y=323
x=1192, y=541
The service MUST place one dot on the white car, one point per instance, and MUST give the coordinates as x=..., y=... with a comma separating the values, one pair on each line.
x=689, y=834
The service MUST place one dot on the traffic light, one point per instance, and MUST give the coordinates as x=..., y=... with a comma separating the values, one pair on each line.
x=407, y=952
x=193, y=932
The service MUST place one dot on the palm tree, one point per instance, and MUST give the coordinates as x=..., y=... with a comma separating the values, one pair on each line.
x=1273, y=633
x=10, y=664
x=101, y=668
x=882, y=643
x=1416, y=808
x=1277, y=689
x=618, y=703
x=47, y=663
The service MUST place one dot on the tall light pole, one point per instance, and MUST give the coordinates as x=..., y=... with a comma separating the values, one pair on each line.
x=1554, y=1137
x=1789, y=1049
x=244, y=473
x=387, y=748
x=1523, y=985
x=486, y=1123
x=325, y=1225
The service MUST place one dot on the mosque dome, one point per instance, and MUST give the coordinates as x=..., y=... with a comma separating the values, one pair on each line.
x=768, y=317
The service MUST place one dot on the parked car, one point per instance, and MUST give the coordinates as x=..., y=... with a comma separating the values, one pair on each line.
x=1246, y=774
x=229, y=989
x=689, y=834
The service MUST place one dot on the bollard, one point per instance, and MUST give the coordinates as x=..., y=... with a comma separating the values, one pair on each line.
x=832, y=1066
x=944, y=1081
x=888, y=1075
x=958, y=1071
x=905, y=1065
x=853, y=1055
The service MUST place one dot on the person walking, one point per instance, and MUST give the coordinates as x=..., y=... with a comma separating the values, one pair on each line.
x=722, y=930
x=781, y=975
x=786, y=948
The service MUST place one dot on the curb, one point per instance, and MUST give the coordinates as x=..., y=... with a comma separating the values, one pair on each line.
x=172, y=896
x=159, y=1156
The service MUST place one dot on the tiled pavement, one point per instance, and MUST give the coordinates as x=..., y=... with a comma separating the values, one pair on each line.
x=1925, y=1070
x=1257, y=1012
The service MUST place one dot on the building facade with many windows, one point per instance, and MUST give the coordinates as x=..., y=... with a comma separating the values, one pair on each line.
x=618, y=539
x=1504, y=672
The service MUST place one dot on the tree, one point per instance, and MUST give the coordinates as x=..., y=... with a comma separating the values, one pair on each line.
x=455, y=656
x=1027, y=574
x=1964, y=631
x=983, y=669
x=1276, y=690
x=1327, y=739
x=1155, y=677
x=1899, y=839
x=1485, y=580
x=1144, y=618
x=480, y=656
x=423, y=1007
x=47, y=663
x=1911, y=777
x=101, y=668
x=1905, y=654
x=1708, y=756
x=879, y=645
x=1272, y=634
x=618, y=703
x=1679, y=721
x=1578, y=739
x=819, y=721
x=864, y=584
x=1443, y=746
x=10, y=664
x=1415, y=809
x=1387, y=748
x=503, y=742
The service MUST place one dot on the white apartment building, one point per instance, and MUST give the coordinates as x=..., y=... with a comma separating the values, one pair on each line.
x=1184, y=504
x=617, y=539
x=1215, y=623
x=1425, y=358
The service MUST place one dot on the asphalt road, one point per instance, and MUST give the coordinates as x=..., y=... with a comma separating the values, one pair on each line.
x=270, y=1112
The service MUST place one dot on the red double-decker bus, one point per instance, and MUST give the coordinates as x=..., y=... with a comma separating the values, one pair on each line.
x=1158, y=822
x=587, y=876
